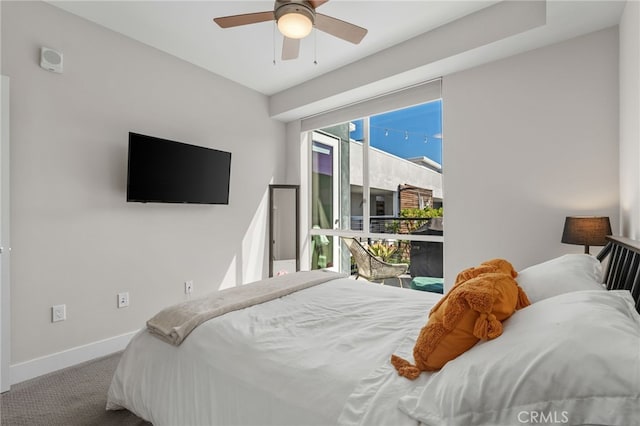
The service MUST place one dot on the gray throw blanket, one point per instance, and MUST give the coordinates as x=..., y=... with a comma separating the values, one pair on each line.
x=173, y=324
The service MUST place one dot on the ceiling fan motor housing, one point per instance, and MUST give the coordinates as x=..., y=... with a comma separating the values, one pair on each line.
x=284, y=7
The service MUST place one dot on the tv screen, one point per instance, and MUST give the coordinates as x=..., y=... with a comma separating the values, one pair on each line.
x=164, y=171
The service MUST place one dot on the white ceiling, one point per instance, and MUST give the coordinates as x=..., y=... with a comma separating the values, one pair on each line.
x=245, y=54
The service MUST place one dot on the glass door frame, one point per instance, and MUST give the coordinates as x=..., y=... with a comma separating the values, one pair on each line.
x=337, y=231
x=334, y=143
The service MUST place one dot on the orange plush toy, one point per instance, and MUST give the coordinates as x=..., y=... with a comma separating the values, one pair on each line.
x=473, y=309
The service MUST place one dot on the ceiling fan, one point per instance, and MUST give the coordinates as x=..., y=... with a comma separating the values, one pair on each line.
x=295, y=20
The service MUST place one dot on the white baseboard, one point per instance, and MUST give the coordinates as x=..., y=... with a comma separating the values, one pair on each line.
x=59, y=360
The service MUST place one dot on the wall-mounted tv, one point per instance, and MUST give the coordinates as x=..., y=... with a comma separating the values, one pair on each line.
x=164, y=171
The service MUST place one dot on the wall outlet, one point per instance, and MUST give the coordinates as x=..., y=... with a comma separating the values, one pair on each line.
x=123, y=300
x=58, y=313
x=188, y=287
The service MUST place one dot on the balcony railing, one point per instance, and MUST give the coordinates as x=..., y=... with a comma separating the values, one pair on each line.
x=391, y=225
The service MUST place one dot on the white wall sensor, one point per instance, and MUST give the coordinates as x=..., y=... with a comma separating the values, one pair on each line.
x=51, y=60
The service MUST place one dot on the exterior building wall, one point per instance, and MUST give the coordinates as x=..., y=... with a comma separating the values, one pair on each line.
x=388, y=171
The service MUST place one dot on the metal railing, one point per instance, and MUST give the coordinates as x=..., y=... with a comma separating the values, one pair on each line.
x=390, y=224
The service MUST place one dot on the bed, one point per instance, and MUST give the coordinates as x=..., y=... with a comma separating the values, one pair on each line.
x=319, y=355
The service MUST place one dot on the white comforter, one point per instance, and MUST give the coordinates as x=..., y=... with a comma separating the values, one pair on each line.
x=319, y=356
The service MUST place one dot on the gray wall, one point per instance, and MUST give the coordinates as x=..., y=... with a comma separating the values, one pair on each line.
x=630, y=120
x=75, y=239
x=529, y=140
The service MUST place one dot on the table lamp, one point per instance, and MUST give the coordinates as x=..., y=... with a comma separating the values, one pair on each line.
x=586, y=231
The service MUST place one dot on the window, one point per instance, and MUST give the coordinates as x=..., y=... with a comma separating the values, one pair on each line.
x=379, y=178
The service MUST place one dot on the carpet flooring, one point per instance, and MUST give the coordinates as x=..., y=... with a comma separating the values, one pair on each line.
x=75, y=396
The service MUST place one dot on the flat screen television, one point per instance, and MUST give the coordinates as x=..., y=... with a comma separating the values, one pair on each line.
x=164, y=171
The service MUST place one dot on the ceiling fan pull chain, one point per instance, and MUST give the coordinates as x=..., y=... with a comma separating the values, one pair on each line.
x=315, y=46
x=274, y=43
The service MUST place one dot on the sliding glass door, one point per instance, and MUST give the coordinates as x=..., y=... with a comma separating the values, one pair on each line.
x=379, y=178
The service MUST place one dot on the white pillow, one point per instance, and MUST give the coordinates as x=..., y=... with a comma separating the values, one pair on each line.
x=571, y=359
x=571, y=272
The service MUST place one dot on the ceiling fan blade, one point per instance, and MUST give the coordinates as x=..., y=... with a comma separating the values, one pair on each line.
x=317, y=3
x=290, y=48
x=341, y=29
x=247, y=18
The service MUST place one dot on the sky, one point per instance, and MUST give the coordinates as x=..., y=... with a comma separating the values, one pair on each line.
x=411, y=132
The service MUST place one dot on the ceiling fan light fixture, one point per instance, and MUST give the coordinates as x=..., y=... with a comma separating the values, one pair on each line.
x=294, y=21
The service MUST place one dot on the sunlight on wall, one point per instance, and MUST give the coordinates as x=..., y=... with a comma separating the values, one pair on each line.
x=249, y=265
x=229, y=279
x=254, y=244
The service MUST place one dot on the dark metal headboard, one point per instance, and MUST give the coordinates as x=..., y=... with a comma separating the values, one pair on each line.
x=623, y=270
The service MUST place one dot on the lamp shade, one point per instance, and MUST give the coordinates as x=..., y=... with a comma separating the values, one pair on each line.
x=586, y=230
